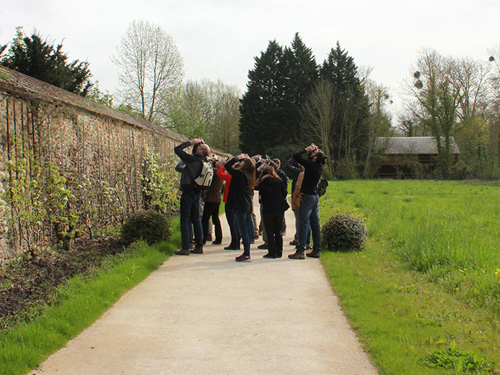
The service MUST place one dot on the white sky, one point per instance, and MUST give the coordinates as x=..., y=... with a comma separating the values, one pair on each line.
x=219, y=39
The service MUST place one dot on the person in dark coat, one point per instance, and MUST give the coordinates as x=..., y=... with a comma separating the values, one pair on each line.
x=273, y=193
x=190, y=197
x=242, y=184
x=212, y=200
x=309, y=203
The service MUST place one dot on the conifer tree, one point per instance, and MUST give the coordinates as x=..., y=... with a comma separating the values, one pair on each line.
x=39, y=59
x=350, y=111
x=260, y=105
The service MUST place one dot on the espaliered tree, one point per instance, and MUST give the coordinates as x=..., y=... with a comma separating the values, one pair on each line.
x=42, y=60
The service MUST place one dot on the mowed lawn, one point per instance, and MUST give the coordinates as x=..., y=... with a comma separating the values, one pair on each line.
x=424, y=294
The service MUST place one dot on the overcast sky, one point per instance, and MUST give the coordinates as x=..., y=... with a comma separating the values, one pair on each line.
x=219, y=39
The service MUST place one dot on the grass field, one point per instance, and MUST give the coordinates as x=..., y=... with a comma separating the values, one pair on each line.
x=426, y=289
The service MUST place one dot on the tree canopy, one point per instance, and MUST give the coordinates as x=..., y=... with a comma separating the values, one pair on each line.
x=42, y=60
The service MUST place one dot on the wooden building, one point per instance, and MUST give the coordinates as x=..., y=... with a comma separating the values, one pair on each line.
x=410, y=157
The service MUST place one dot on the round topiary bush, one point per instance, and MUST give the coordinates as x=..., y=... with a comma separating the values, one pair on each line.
x=343, y=232
x=146, y=225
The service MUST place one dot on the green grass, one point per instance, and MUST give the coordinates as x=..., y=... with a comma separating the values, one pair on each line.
x=427, y=280
x=80, y=302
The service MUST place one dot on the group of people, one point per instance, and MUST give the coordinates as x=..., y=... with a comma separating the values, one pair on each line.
x=240, y=176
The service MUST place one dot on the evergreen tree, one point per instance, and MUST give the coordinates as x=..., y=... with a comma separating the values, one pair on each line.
x=260, y=105
x=300, y=75
x=278, y=86
x=41, y=60
x=350, y=111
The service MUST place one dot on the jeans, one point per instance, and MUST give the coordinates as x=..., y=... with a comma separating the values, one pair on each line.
x=242, y=223
x=273, y=225
x=309, y=216
x=190, y=214
x=297, y=228
x=211, y=210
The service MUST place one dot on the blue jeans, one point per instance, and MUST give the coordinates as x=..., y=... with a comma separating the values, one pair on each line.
x=242, y=218
x=190, y=214
x=297, y=228
x=309, y=216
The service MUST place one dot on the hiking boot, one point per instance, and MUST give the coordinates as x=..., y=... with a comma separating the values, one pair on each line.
x=269, y=256
x=294, y=242
x=313, y=254
x=243, y=258
x=182, y=252
x=197, y=250
x=296, y=255
x=263, y=246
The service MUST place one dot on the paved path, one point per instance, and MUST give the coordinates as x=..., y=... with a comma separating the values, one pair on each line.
x=207, y=314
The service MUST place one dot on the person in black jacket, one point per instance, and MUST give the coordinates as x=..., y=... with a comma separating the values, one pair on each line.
x=309, y=203
x=190, y=197
x=273, y=193
x=242, y=184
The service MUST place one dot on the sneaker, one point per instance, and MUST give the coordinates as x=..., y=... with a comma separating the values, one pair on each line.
x=230, y=247
x=197, y=250
x=270, y=256
x=296, y=255
x=263, y=246
x=182, y=252
x=294, y=242
x=243, y=258
x=313, y=254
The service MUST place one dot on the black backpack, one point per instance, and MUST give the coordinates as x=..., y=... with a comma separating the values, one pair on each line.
x=322, y=186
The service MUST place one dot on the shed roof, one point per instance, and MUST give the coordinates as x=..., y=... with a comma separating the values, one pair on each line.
x=412, y=145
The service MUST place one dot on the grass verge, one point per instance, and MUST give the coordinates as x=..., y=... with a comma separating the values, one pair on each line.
x=77, y=304
x=407, y=319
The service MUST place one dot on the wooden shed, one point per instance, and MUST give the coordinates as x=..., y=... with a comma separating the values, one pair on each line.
x=410, y=157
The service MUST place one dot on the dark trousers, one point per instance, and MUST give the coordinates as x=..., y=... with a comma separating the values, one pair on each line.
x=242, y=219
x=190, y=214
x=235, y=237
x=211, y=210
x=273, y=224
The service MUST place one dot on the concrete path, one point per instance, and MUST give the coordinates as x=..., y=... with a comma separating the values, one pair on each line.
x=207, y=314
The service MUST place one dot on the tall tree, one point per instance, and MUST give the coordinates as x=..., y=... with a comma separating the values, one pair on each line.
x=378, y=123
x=151, y=69
x=350, y=112
x=260, y=106
x=42, y=60
x=300, y=73
x=436, y=102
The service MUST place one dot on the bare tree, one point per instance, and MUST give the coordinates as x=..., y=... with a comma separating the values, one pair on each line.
x=379, y=121
x=151, y=69
x=317, y=116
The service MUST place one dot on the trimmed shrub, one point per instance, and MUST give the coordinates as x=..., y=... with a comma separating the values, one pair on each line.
x=146, y=225
x=343, y=232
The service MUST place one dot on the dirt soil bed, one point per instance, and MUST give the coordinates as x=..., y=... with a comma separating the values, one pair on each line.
x=27, y=282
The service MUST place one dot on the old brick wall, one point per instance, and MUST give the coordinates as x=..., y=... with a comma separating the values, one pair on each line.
x=97, y=149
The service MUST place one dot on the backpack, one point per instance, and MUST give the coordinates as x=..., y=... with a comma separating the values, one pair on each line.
x=321, y=187
x=204, y=179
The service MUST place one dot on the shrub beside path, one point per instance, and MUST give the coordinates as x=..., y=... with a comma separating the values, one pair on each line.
x=207, y=314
